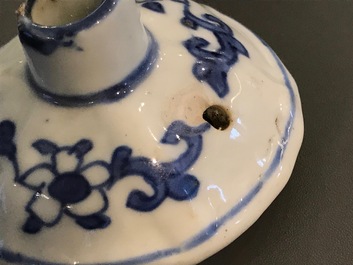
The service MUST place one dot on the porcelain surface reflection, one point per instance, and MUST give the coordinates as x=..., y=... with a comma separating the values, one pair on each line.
x=152, y=141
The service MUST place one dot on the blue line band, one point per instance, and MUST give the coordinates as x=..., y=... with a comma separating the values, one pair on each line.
x=108, y=95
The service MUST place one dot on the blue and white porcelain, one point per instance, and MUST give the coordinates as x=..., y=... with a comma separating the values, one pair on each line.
x=147, y=132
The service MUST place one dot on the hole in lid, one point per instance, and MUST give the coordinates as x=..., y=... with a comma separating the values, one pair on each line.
x=62, y=12
x=217, y=116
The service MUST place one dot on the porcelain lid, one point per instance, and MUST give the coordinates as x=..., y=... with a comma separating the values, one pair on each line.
x=144, y=178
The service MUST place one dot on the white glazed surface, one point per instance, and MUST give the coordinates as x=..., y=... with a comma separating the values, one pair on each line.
x=231, y=164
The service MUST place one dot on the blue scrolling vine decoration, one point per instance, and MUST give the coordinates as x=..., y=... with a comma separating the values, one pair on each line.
x=212, y=67
x=69, y=190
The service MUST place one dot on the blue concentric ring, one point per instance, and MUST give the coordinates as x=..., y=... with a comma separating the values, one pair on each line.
x=110, y=94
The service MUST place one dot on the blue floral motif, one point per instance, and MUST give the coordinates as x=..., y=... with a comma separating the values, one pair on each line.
x=67, y=191
x=212, y=67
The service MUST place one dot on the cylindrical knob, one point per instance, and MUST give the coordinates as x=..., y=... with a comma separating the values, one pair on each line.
x=82, y=47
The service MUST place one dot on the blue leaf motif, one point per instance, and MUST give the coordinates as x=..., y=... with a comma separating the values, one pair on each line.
x=94, y=221
x=33, y=225
x=189, y=23
x=7, y=130
x=7, y=133
x=154, y=6
x=81, y=148
x=120, y=159
x=183, y=187
x=45, y=147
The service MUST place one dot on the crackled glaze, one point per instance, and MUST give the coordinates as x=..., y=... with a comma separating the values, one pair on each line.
x=123, y=169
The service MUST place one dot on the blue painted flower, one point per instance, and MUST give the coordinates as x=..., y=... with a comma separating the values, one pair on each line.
x=66, y=186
